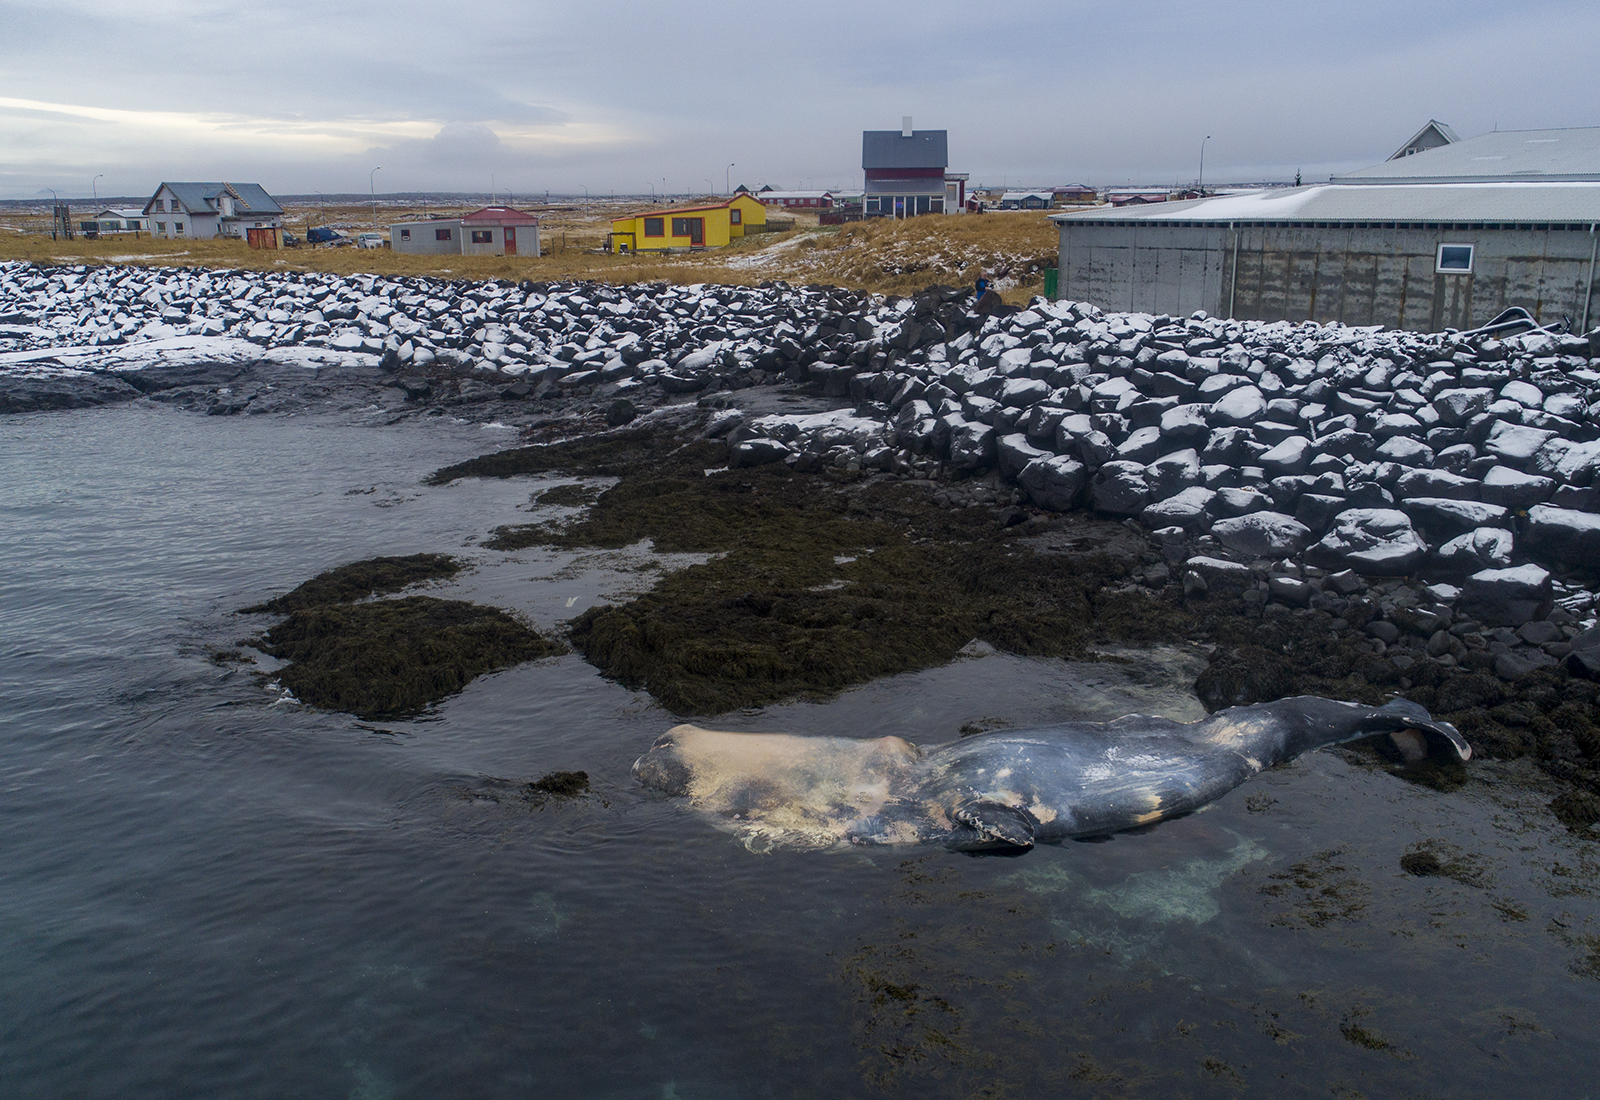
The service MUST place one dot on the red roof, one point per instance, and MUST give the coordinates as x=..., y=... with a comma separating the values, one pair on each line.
x=684, y=209
x=500, y=215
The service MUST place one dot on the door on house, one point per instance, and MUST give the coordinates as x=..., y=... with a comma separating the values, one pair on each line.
x=511, y=240
x=697, y=231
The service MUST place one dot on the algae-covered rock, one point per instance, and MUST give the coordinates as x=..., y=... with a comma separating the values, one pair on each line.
x=361, y=579
x=395, y=657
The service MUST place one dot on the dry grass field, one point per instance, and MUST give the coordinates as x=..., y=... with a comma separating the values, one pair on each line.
x=880, y=256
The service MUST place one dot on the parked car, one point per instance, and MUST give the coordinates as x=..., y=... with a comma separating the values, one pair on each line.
x=371, y=240
x=291, y=241
x=321, y=234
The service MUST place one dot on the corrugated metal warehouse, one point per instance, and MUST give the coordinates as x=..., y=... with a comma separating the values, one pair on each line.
x=1408, y=244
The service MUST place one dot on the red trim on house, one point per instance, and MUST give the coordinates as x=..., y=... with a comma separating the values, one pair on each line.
x=905, y=173
x=500, y=215
x=683, y=209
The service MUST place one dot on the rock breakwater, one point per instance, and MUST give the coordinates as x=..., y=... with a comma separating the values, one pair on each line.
x=1440, y=492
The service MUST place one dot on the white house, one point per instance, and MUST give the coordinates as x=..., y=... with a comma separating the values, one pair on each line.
x=206, y=210
x=491, y=231
x=116, y=220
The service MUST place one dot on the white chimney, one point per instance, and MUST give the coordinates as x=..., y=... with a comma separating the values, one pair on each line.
x=905, y=125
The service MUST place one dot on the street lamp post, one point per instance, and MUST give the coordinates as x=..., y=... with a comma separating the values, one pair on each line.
x=711, y=188
x=55, y=203
x=372, y=190
x=94, y=185
x=1202, y=186
x=727, y=179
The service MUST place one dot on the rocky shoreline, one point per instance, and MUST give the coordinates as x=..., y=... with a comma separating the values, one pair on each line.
x=1435, y=496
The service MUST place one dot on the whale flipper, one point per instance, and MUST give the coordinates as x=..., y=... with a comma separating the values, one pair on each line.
x=983, y=825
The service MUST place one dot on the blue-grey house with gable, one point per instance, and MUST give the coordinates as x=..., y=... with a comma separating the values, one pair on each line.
x=206, y=210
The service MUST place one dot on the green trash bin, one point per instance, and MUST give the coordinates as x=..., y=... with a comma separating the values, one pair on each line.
x=1050, y=283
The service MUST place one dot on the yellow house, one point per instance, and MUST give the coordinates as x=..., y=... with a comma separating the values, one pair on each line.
x=687, y=227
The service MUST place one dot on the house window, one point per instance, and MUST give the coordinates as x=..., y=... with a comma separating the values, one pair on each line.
x=161, y=227
x=1454, y=259
x=405, y=234
x=177, y=227
x=736, y=217
x=483, y=236
x=442, y=235
x=680, y=227
x=655, y=227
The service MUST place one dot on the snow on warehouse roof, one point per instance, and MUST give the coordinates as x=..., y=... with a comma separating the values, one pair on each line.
x=1505, y=155
x=1448, y=202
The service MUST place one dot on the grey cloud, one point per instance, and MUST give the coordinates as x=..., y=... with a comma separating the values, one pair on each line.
x=1076, y=90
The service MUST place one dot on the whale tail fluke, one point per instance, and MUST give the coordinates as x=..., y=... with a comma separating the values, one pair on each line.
x=1418, y=735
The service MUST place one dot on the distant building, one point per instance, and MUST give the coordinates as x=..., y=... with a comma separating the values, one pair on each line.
x=905, y=171
x=1137, y=196
x=491, y=231
x=1025, y=200
x=812, y=200
x=206, y=210
x=687, y=227
x=1431, y=136
x=116, y=220
x=1074, y=194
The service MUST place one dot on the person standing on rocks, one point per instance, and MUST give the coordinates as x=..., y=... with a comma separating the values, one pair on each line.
x=985, y=302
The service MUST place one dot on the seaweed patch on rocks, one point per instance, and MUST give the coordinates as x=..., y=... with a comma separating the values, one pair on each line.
x=393, y=658
x=386, y=658
x=359, y=580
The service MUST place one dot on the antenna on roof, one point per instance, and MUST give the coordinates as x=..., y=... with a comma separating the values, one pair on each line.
x=905, y=125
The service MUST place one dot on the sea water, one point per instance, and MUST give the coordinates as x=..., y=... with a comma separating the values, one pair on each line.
x=208, y=889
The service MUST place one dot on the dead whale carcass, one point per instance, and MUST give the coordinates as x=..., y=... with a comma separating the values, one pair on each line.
x=1011, y=789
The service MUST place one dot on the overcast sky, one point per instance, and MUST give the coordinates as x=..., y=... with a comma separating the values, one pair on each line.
x=630, y=97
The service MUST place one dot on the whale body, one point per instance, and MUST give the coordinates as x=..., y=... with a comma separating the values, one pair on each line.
x=1011, y=789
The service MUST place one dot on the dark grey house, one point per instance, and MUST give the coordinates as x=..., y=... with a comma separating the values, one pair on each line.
x=1444, y=238
x=905, y=171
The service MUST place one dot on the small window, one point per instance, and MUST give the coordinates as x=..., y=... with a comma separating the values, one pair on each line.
x=680, y=227
x=161, y=227
x=735, y=216
x=405, y=234
x=655, y=227
x=1454, y=259
x=177, y=227
x=483, y=236
x=442, y=235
